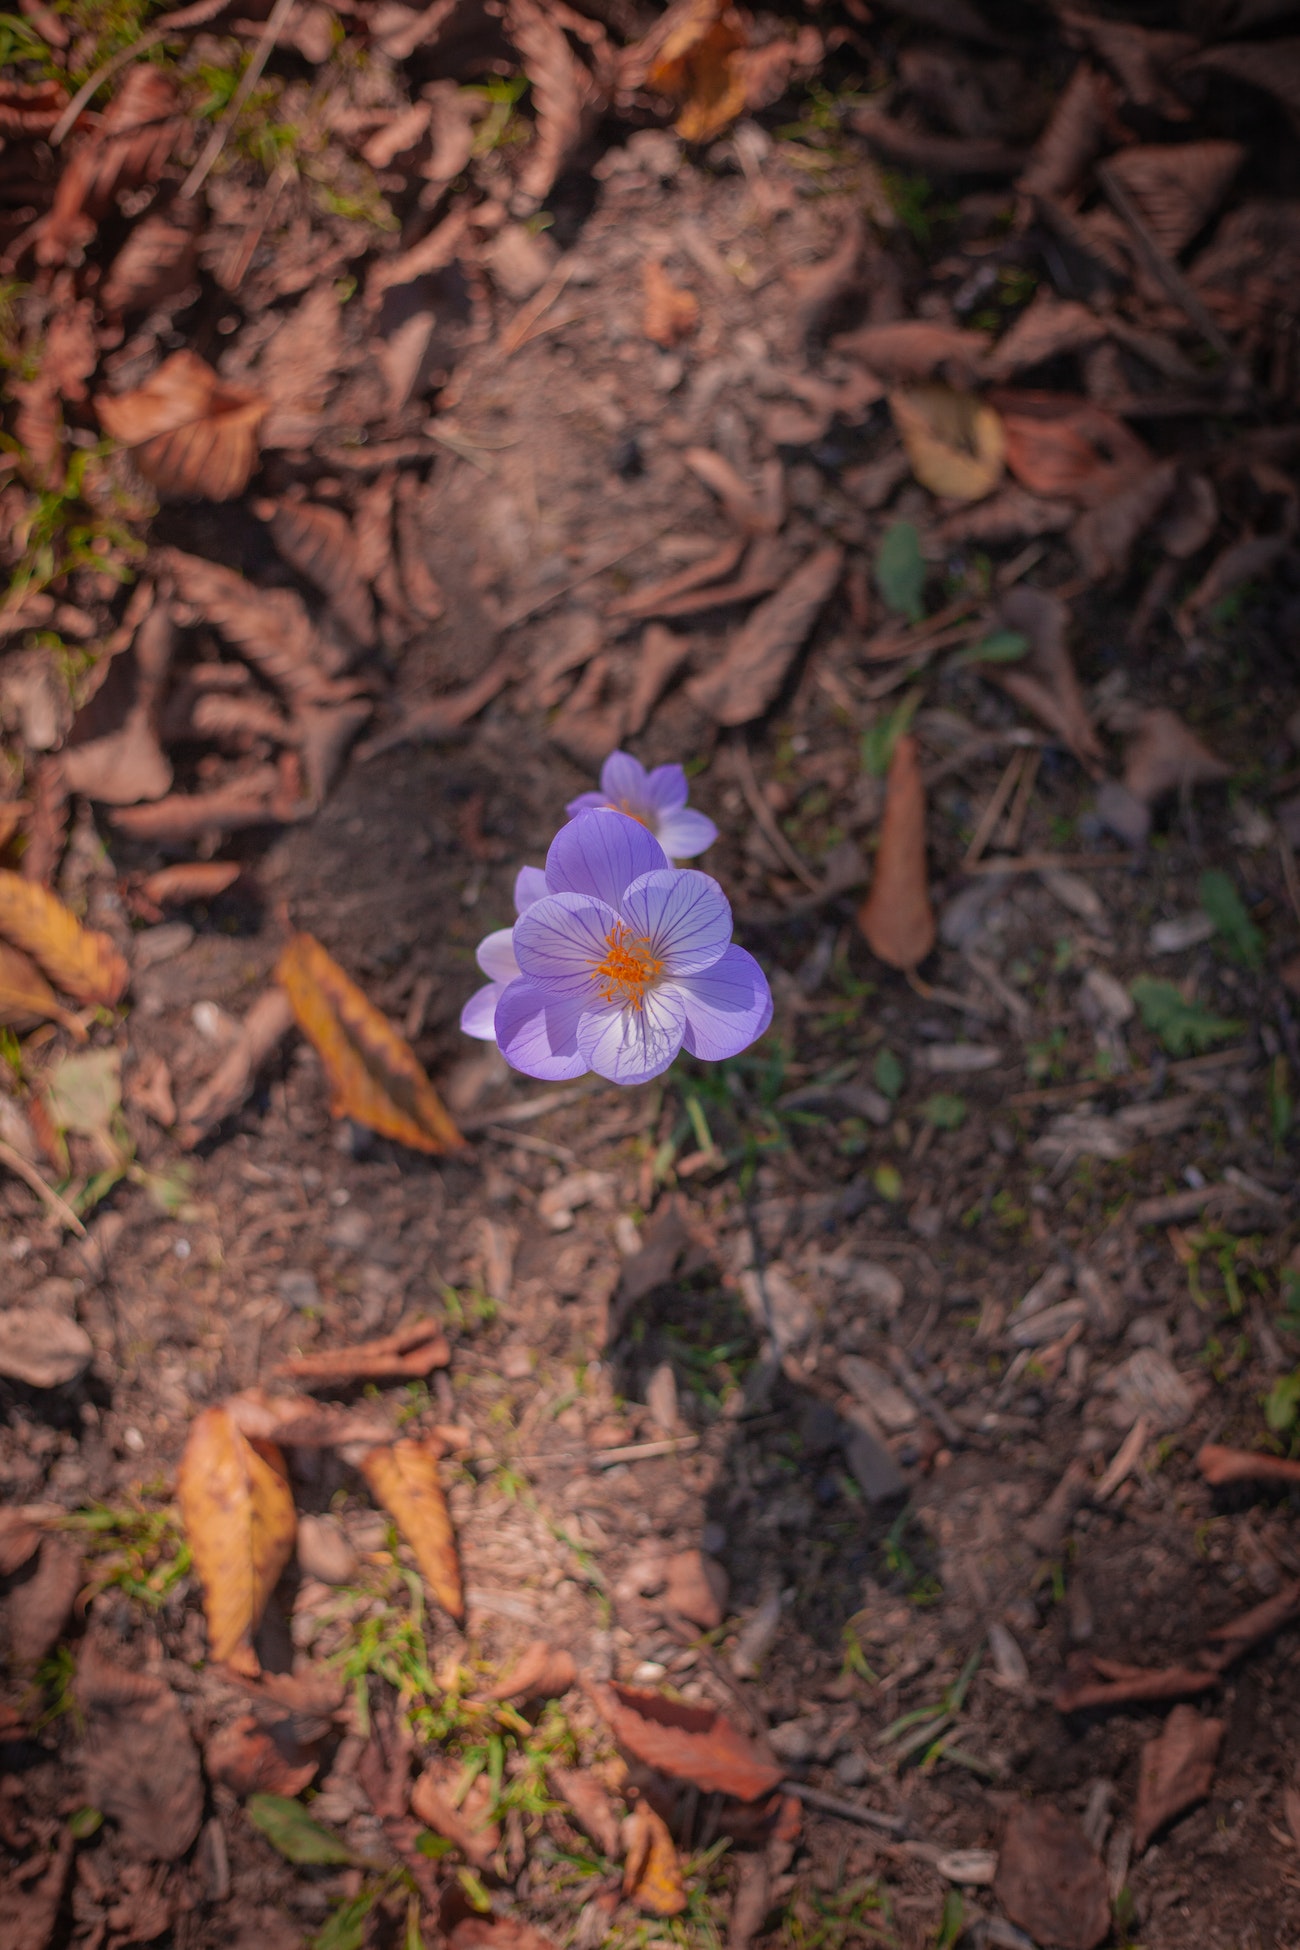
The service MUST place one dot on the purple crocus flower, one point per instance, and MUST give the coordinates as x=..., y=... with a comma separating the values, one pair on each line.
x=625, y=961
x=495, y=955
x=657, y=799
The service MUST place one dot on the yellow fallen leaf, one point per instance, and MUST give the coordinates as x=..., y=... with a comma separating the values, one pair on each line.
x=375, y=1077
x=238, y=1513
x=955, y=443
x=652, y=1873
x=696, y=66
x=80, y=961
x=403, y=1476
x=25, y=995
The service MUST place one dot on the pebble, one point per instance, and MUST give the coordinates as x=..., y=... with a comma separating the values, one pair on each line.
x=324, y=1551
x=874, y=1470
x=164, y=943
x=794, y=1740
x=1183, y=931
x=876, y=1391
x=517, y=1362
x=850, y=1768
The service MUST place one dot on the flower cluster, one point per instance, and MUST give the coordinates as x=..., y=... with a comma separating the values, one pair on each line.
x=619, y=959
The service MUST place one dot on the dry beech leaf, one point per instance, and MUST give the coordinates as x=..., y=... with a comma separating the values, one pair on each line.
x=1273, y=65
x=375, y=1077
x=818, y=288
x=249, y=1758
x=1050, y=1880
x=1177, y=186
x=541, y=1671
x=1105, y=535
x=318, y=542
x=565, y=94
x=652, y=1873
x=1242, y=561
x=190, y=433
x=671, y=314
x=415, y=1349
x=687, y=1742
x=403, y=1476
x=896, y=917
x=156, y=262
x=297, y=371
x=122, y=766
x=237, y=1508
x=1046, y=682
x=130, y=146
x=1075, y=133
x=1047, y=327
x=912, y=348
x=263, y=1029
x=696, y=67
x=433, y=1800
x=1176, y=1771
x=1009, y=516
x=26, y=998
x=587, y=1799
x=954, y=442
x=299, y=1423
x=1060, y=446
x=80, y=961
x=41, y=1606
x=759, y=656
x=141, y=1766
x=30, y=109
x=269, y=627
x=1164, y=755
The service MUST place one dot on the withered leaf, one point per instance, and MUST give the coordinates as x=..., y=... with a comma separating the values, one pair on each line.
x=375, y=1076
x=953, y=440
x=122, y=766
x=670, y=314
x=30, y=108
x=130, y=146
x=1221, y=1465
x=41, y=1606
x=695, y=65
x=264, y=1028
x=80, y=961
x=759, y=656
x=1064, y=447
x=818, y=288
x=1074, y=134
x=297, y=371
x=26, y=997
x=190, y=433
x=896, y=917
x=1176, y=1771
x=687, y=1743
x=190, y=880
x=587, y=1799
x=249, y=799
x=140, y=1763
x=1046, y=682
x=299, y=1423
x=652, y=1873
x=433, y=1800
x=496, y=1933
x=403, y=1477
x=157, y=261
x=754, y=514
x=237, y=1508
x=1272, y=64
x=1104, y=536
x=20, y=1539
x=1165, y=755
x=1050, y=1880
x=1011, y=514
x=1048, y=326
x=29, y=1909
x=252, y=1759
x=1116, y=1684
x=415, y=1349
x=1177, y=186
x=270, y=627
x=912, y=348
x=1241, y=561
x=318, y=542
x=541, y=1671
x=565, y=94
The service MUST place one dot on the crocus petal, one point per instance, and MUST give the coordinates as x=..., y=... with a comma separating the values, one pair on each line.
x=666, y=789
x=727, y=1006
x=538, y=1032
x=495, y=955
x=685, y=917
x=586, y=802
x=684, y=833
x=599, y=853
x=478, y=1017
x=631, y=1045
x=623, y=782
x=562, y=940
x=530, y=886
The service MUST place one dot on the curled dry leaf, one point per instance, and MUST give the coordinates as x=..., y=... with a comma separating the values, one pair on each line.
x=1094, y=1682
x=587, y=1800
x=298, y=1423
x=1164, y=755
x=297, y=371
x=190, y=433
x=141, y=1766
x=759, y=656
x=375, y=1077
x=237, y=1508
x=29, y=109
x=496, y=1933
x=1050, y=1880
x=414, y=1349
x=191, y=880
x=1105, y=535
x=896, y=917
x=1176, y=1771
x=818, y=288
x=1047, y=327
x=26, y=998
x=1219, y=1465
x=1009, y=516
x=913, y=348
x=318, y=542
x=41, y=1606
x=20, y=1538
x=1060, y=446
x=670, y=314
x=252, y=799
x=252, y=1759
x=269, y=627
x=433, y=1799
x=30, y=1907
x=1046, y=682
x=263, y=1029
x=754, y=513
x=564, y=93
x=126, y=765
x=652, y=1873
x=953, y=440
x=80, y=961
x=1177, y=186
x=696, y=67
x=541, y=1671
x=687, y=1742
x=403, y=1477
x=157, y=261
x=1075, y=133
x=130, y=146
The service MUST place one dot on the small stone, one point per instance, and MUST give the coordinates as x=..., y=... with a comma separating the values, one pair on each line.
x=649, y=1673
x=873, y=1388
x=794, y=1740
x=1123, y=814
x=874, y=1469
x=661, y=1397
x=160, y=944
x=42, y=1347
x=349, y=1231
x=298, y=1289
x=1148, y=1384
x=775, y=1303
x=850, y=1768
x=324, y=1551
x=1183, y=931
x=517, y=1362
x=696, y=1588
x=1109, y=996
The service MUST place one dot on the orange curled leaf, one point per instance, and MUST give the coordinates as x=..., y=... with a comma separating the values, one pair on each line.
x=191, y=434
x=375, y=1077
x=415, y=1349
x=80, y=961
x=896, y=917
x=541, y=1671
x=1219, y=1465
x=696, y=66
x=237, y=1509
x=403, y=1476
x=671, y=314
x=652, y=1873
x=688, y=1743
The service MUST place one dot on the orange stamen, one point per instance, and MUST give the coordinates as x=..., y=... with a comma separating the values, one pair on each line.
x=630, y=967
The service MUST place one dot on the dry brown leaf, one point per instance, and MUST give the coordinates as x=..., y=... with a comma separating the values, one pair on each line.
x=1176, y=1771
x=295, y=1422
x=687, y=1742
x=652, y=1873
x=1165, y=755
x=1143, y=58
x=318, y=542
x=375, y=1077
x=1047, y=327
x=264, y=1028
x=1105, y=535
x=30, y=108
x=43, y=1347
x=1242, y=561
x=1220, y=1465
x=565, y=94
x=759, y=513
x=20, y=1538
x=80, y=961
x=26, y=998
x=660, y=655
x=130, y=146
x=122, y=766
x=913, y=348
x=1046, y=682
x=415, y=1349
x=1058, y=445
x=297, y=372
x=141, y=1766
x=953, y=440
x=1010, y=515
x=1273, y=65
x=190, y=880
x=71, y=350
x=696, y=66
x=237, y=1508
x=157, y=261
x=269, y=627
x=40, y=1607
x=30, y=1904
x=1050, y=1880
x=433, y=1799
x=403, y=1477
x=1074, y=134
x=670, y=314
x=1177, y=186
x=587, y=1799
x=759, y=656
x=768, y=72
x=896, y=917
x=252, y=799
x=541, y=1671
x=818, y=288
x=948, y=155
x=249, y=1758
x=189, y=432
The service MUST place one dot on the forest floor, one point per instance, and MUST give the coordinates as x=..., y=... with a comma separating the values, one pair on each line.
x=917, y=1391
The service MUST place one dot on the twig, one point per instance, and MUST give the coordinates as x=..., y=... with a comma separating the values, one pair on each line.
x=1016, y=818
x=831, y=1804
x=525, y=1113
x=1289, y=875
x=1044, y=862
x=195, y=16
x=30, y=1176
x=516, y=333
x=560, y=1153
x=276, y=20
x=764, y=819
x=673, y=1445
x=997, y=805
x=1160, y=265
